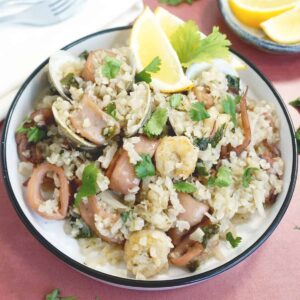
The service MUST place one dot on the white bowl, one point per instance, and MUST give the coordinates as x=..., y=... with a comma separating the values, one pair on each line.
x=51, y=234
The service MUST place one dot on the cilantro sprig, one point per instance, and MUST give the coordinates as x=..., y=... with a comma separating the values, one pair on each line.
x=184, y=187
x=111, y=67
x=111, y=110
x=89, y=183
x=145, y=74
x=229, y=106
x=198, y=112
x=145, y=167
x=234, y=242
x=175, y=100
x=156, y=123
x=33, y=133
x=55, y=295
x=247, y=176
x=191, y=47
x=223, y=178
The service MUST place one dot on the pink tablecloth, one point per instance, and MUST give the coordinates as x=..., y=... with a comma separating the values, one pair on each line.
x=28, y=270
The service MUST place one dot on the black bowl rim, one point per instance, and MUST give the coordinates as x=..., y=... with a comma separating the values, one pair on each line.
x=133, y=283
x=262, y=43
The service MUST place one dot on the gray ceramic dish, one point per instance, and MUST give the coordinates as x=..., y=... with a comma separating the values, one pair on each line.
x=253, y=36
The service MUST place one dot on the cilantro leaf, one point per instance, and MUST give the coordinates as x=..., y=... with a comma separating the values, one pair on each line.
x=144, y=167
x=234, y=242
x=34, y=134
x=191, y=48
x=175, y=100
x=201, y=170
x=126, y=215
x=247, y=176
x=223, y=178
x=296, y=103
x=175, y=2
x=198, y=112
x=69, y=80
x=214, y=141
x=55, y=295
x=209, y=232
x=89, y=183
x=297, y=136
x=111, y=110
x=156, y=123
x=229, y=106
x=184, y=187
x=233, y=83
x=152, y=67
x=111, y=67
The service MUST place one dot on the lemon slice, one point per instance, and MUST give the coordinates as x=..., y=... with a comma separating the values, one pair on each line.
x=254, y=12
x=148, y=41
x=169, y=23
x=285, y=28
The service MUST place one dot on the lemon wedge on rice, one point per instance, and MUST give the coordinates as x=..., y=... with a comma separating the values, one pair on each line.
x=169, y=23
x=254, y=12
x=148, y=41
x=285, y=28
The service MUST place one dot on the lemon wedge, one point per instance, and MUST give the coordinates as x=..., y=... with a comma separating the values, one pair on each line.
x=169, y=23
x=285, y=28
x=254, y=12
x=148, y=41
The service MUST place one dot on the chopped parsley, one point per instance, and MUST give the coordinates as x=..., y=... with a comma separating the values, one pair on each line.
x=175, y=100
x=209, y=232
x=126, y=215
x=89, y=183
x=247, y=176
x=111, y=110
x=175, y=2
x=191, y=47
x=234, y=242
x=223, y=178
x=233, y=83
x=201, y=170
x=145, y=167
x=69, y=80
x=296, y=103
x=202, y=143
x=84, y=54
x=55, y=295
x=297, y=136
x=229, y=106
x=198, y=112
x=152, y=67
x=156, y=123
x=184, y=187
x=33, y=133
x=83, y=230
x=111, y=67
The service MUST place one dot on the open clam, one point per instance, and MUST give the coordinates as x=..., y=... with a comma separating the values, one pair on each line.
x=63, y=64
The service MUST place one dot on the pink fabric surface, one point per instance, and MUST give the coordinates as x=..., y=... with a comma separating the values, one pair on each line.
x=29, y=271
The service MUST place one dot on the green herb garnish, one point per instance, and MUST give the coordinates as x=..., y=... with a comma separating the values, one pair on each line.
x=233, y=83
x=69, y=80
x=33, y=133
x=175, y=100
x=111, y=110
x=223, y=178
x=84, y=54
x=297, y=136
x=234, y=242
x=202, y=143
x=247, y=176
x=156, y=123
x=191, y=47
x=145, y=167
x=209, y=232
x=111, y=67
x=229, y=106
x=184, y=187
x=296, y=103
x=175, y=2
x=152, y=67
x=126, y=215
x=89, y=183
x=198, y=112
x=55, y=295
x=201, y=170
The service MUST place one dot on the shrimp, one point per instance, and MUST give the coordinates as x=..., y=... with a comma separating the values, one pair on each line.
x=204, y=96
x=98, y=121
x=185, y=252
x=89, y=210
x=193, y=214
x=176, y=157
x=35, y=198
x=120, y=167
